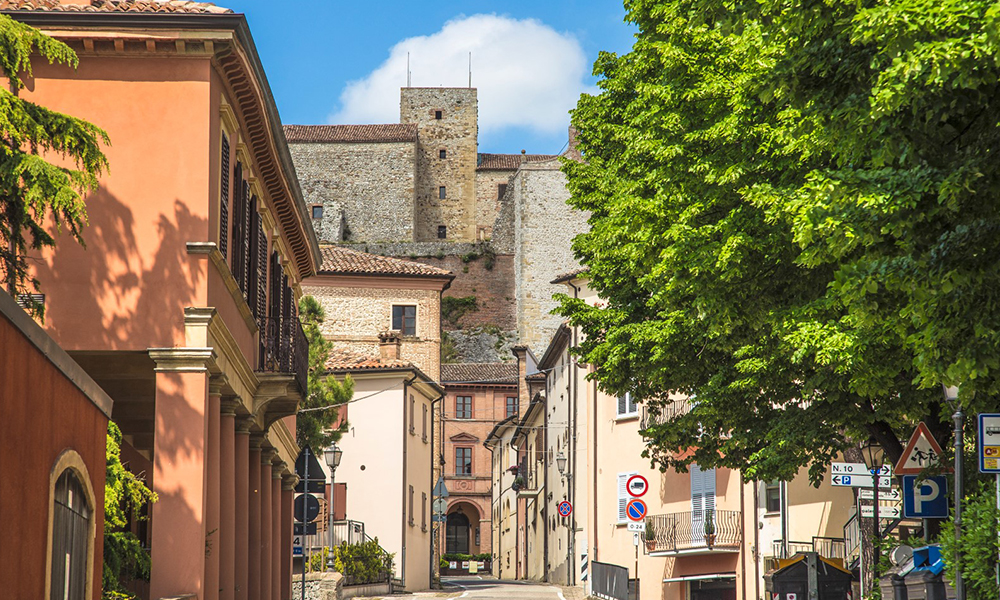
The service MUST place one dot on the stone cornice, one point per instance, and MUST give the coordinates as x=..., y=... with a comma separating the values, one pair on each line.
x=182, y=360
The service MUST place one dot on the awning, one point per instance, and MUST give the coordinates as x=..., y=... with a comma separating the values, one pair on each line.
x=707, y=577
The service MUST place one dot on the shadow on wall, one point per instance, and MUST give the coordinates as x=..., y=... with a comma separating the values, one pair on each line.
x=116, y=294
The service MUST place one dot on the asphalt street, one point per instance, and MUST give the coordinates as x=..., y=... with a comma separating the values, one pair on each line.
x=492, y=589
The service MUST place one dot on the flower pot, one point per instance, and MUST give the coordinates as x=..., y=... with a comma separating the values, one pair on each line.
x=710, y=539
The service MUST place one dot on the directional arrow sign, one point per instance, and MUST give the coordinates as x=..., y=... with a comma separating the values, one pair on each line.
x=894, y=494
x=858, y=469
x=860, y=481
x=884, y=512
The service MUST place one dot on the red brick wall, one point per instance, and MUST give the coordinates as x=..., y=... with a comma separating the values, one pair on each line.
x=493, y=289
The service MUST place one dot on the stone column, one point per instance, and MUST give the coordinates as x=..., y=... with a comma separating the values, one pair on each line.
x=241, y=557
x=276, y=470
x=266, y=529
x=253, y=540
x=179, y=473
x=227, y=496
x=212, y=493
x=287, y=497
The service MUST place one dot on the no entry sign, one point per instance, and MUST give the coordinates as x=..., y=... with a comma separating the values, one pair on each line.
x=636, y=486
x=635, y=510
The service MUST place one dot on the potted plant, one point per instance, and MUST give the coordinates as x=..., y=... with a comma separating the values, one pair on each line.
x=518, y=483
x=650, y=537
x=710, y=528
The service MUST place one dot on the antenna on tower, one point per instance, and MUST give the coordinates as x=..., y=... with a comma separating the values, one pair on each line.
x=470, y=69
x=407, y=69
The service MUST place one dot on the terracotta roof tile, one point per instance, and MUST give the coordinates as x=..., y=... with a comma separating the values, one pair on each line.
x=390, y=132
x=500, y=373
x=507, y=162
x=536, y=376
x=570, y=275
x=338, y=260
x=344, y=360
x=110, y=6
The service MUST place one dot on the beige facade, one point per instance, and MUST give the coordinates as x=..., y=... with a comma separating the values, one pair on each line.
x=503, y=460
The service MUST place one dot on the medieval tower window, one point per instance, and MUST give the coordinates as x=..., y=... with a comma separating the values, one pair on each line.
x=501, y=190
x=442, y=154
x=317, y=212
x=437, y=115
x=442, y=232
x=441, y=193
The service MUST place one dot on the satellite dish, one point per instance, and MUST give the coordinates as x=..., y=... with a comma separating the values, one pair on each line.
x=900, y=554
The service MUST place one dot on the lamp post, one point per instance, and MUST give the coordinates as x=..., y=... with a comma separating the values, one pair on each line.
x=570, y=555
x=951, y=397
x=873, y=454
x=332, y=456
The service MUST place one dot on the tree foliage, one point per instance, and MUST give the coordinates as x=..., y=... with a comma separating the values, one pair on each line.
x=979, y=544
x=315, y=427
x=125, y=494
x=794, y=219
x=35, y=192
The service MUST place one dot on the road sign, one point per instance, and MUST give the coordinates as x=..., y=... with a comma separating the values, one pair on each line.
x=303, y=529
x=637, y=526
x=989, y=443
x=310, y=504
x=636, y=485
x=927, y=499
x=921, y=452
x=565, y=508
x=894, y=494
x=858, y=469
x=440, y=506
x=297, y=546
x=860, y=481
x=635, y=510
x=635, y=538
x=440, y=489
x=884, y=512
x=438, y=518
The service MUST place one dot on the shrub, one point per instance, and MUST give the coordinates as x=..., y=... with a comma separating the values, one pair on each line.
x=366, y=562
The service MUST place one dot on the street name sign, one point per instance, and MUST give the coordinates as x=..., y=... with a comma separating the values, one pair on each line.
x=920, y=452
x=894, y=494
x=989, y=443
x=927, y=499
x=858, y=469
x=638, y=526
x=884, y=512
x=636, y=486
x=860, y=481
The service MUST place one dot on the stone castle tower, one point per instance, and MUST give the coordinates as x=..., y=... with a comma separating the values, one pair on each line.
x=447, y=121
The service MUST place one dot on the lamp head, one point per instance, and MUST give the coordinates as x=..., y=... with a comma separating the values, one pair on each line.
x=561, y=462
x=950, y=392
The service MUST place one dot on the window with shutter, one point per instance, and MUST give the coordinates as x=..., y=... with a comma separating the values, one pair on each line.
x=274, y=289
x=224, y=199
x=238, y=208
x=251, y=292
x=261, y=269
x=623, y=495
x=250, y=207
x=702, y=496
x=627, y=406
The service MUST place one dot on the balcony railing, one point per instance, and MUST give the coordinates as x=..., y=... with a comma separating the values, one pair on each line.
x=686, y=532
x=284, y=348
x=663, y=414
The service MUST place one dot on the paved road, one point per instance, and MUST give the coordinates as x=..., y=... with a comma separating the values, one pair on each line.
x=492, y=589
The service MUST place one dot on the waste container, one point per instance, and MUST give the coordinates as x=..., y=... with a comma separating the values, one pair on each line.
x=921, y=578
x=893, y=587
x=793, y=579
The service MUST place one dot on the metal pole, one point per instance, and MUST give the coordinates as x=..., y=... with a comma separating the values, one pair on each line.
x=998, y=526
x=876, y=550
x=305, y=491
x=329, y=533
x=959, y=444
x=861, y=543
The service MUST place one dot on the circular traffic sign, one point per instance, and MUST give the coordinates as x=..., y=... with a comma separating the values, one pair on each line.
x=311, y=507
x=565, y=508
x=636, y=485
x=635, y=510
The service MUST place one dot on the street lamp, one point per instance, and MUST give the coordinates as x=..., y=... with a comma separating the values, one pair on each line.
x=873, y=454
x=561, y=463
x=951, y=397
x=332, y=456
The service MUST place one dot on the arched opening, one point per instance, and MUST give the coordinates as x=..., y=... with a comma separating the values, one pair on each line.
x=457, y=533
x=71, y=529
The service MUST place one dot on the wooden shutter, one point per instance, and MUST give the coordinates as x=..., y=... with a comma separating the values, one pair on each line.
x=622, y=405
x=623, y=495
x=261, y=269
x=224, y=199
x=238, y=209
x=254, y=266
x=702, y=495
x=274, y=288
x=250, y=207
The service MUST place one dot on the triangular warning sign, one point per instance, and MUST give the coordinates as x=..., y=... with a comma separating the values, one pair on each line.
x=921, y=452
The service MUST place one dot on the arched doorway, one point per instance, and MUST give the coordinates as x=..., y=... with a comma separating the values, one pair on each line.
x=457, y=533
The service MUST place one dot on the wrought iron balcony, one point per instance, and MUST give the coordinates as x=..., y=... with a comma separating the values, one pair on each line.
x=284, y=348
x=663, y=414
x=693, y=532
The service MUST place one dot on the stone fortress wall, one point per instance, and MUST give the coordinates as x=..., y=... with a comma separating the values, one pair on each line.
x=384, y=198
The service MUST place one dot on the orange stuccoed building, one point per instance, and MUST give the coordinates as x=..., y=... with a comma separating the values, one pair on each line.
x=182, y=306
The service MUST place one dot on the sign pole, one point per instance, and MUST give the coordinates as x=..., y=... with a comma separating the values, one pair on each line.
x=876, y=549
x=998, y=526
x=305, y=490
x=959, y=442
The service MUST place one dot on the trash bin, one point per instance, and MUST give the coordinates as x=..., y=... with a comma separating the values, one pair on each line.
x=926, y=580
x=792, y=578
x=893, y=587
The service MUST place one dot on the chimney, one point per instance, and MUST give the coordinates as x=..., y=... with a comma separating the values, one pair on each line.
x=388, y=345
x=572, y=149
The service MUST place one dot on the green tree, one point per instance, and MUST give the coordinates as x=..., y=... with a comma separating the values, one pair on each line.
x=125, y=558
x=794, y=218
x=979, y=543
x=314, y=421
x=35, y=192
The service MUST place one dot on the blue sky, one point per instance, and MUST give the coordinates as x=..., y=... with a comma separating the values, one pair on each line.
x=329, y=61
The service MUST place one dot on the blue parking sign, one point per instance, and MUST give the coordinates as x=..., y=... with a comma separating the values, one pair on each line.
x=927, y=499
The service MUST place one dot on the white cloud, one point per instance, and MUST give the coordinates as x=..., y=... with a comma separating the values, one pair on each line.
x=527, y=74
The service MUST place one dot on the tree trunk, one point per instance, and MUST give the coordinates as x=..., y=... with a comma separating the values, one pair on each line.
x=867, y=531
